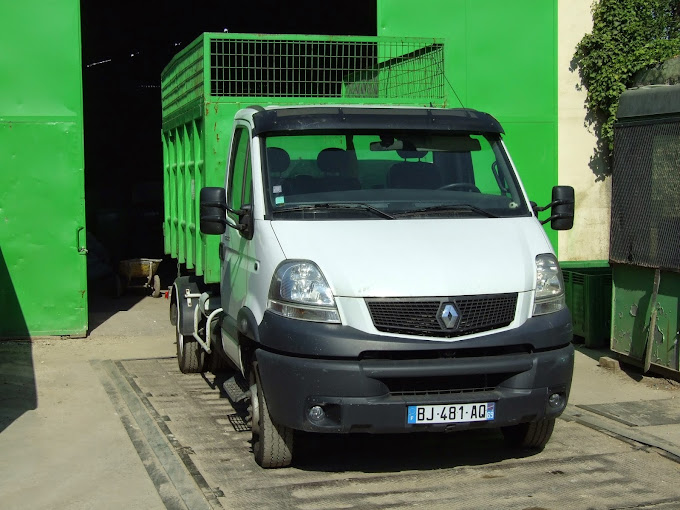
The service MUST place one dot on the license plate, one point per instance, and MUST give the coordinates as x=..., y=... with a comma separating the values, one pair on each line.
x=452, y=413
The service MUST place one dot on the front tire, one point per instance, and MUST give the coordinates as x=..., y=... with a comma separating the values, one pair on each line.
x=534, y=435
x=272, y=443
x=190, y=355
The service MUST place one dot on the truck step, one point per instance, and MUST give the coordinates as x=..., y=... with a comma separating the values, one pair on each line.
x=236, y=388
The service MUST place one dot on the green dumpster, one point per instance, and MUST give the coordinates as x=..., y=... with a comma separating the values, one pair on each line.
x=645, y=228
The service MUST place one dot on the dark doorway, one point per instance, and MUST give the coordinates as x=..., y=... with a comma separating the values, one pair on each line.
x=126, y=45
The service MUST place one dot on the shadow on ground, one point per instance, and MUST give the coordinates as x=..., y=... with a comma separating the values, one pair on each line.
x=632, y=371
x=593, y=353
x=104, y=301
x=386, y=453
x=102, y=308
x=18, y=392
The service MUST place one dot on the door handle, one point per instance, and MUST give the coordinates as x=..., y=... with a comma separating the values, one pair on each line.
x=82, y=249
x=223, y=250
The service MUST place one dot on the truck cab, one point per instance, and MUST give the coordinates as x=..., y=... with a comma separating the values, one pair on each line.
x=382, y=271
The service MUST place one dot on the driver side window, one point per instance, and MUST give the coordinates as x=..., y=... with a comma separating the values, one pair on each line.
x=239, y=188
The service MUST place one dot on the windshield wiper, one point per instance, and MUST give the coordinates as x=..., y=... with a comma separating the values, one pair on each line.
x=328, y=206
x=449, y=208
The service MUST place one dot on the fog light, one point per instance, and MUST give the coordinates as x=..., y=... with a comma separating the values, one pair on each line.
x=556, y=400
x=316, y=413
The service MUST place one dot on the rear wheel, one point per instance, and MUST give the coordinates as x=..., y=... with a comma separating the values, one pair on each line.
x=190, y=355
x=534, y=435
x=272, y=443
x=173, y=312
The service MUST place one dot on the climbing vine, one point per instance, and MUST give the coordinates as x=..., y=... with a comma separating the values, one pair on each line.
x=627, y=36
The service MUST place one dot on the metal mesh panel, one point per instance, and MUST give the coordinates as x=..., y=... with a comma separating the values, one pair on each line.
x=645, y=228
x=419, y=316
x=326, y=68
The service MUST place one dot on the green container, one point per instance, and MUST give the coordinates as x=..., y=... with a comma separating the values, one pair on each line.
x=216, y=75
x=589, y=298
x=43, y=284
x=632, y=312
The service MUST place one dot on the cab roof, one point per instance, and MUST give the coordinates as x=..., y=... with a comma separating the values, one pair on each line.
x=372, y=118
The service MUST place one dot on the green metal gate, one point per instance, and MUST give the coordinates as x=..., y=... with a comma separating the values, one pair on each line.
x=43, y=286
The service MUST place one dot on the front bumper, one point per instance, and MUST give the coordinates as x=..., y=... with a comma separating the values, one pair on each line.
x=372, y=393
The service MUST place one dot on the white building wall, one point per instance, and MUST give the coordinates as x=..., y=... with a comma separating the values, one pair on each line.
x=589, y=239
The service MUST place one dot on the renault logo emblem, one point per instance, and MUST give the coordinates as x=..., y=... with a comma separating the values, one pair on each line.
x=448, y=315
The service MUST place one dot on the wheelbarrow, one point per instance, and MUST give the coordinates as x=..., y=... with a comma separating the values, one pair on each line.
x=141, y=274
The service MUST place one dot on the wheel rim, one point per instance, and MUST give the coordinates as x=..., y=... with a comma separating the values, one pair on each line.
x=180, y=336
x=255, y=406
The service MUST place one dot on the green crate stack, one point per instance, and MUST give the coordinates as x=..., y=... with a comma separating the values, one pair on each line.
x=589, y=298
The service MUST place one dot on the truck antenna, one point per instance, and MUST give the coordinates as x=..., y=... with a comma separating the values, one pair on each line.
x=441, y=68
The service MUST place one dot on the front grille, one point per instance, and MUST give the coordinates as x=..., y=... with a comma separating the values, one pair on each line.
x=421, y=316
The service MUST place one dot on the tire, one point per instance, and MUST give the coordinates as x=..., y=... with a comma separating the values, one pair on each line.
x=156, y=286
x=173, y=312
x=534, y=435
x=272, y=443
x=190, y=355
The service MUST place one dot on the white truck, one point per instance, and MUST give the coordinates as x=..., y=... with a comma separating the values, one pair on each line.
x=364, y=262
x=383, y=271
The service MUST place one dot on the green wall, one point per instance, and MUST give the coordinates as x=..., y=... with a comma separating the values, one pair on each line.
x=501, y=57
x=43, y=285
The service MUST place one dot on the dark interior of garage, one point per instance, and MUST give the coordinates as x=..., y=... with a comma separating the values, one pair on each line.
x=125, y=46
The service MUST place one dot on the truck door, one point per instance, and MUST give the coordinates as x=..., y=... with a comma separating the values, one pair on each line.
x=234, y=247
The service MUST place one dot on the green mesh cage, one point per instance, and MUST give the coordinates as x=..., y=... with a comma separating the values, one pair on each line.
x=375, y=69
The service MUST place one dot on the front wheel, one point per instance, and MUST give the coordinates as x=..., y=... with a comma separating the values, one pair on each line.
x=190, y=355
x=272, y=443
x=534, y=435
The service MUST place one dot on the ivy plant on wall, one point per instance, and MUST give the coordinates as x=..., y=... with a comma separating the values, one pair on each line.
x=627, y=36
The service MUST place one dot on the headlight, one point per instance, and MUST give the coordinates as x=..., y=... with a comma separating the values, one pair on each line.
x=549, y=294
x=300, y=291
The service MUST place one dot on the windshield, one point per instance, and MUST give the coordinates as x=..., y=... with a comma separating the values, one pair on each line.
x=389, y=175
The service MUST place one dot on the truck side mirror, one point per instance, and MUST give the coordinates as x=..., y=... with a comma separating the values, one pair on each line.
x=562, y=205
x=562, y=217
x=213, y=202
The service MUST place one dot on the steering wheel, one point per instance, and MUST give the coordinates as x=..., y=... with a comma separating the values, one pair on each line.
x=463, y=186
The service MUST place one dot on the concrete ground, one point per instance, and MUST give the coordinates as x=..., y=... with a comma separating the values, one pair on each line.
x=72, y=450
x=68, y=437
